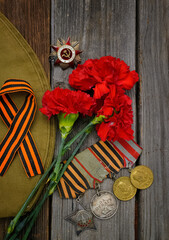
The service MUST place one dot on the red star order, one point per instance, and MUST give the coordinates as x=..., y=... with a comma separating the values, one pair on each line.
x=66, y=53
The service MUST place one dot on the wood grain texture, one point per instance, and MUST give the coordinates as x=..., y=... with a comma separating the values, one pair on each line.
x=102, y=28
x=154, y=117
x=32, y=19
x=109, y=28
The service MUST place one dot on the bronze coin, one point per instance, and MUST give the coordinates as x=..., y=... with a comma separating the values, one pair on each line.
x=123, y=189
x=141, y=177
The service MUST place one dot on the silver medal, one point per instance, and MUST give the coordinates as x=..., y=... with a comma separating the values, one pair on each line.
x=104, y=205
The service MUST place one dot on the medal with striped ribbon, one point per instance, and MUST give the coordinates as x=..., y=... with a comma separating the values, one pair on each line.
x=96, y=163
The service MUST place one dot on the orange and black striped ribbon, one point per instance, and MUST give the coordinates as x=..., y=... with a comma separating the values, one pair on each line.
x=73, y=182
x=105, y=152
x=79, y=176
x=18, y=137
x=96, y=163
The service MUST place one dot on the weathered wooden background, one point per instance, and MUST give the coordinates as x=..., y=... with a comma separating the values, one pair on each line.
x=137, y=32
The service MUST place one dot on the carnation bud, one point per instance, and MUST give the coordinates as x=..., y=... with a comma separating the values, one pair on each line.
x=98, y=120
x=66, y=122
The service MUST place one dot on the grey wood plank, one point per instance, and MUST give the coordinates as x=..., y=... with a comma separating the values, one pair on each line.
x=102, y=28
x=32, y=19
x=154, y=117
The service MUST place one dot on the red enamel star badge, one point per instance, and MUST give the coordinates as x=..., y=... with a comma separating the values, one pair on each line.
x=82, y=219
x=66, y=54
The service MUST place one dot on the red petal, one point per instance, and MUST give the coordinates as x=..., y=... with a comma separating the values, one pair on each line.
x=46, y=112
x=80, y=80
x=102, y=130
x=100, y=90
x=130, y=80
x=112, y=91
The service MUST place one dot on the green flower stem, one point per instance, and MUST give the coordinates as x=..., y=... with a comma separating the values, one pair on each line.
x=67, y=146
x=57, y=166
x=20, y=226
x=72, y=156
x=52, y=186
x=30, y=218
x=96, y=120
x=21, y=211
x=85, y=129
x=37, y=210
x=57, y=169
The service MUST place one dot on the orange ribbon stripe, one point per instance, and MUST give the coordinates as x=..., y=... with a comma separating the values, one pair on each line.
x=18, y=137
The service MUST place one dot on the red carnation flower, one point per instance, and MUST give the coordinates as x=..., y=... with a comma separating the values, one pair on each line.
x=114, y=131
x=102, y=75
x=66, y=101
x=46, y=110
x=118, y=110
x=116, y=100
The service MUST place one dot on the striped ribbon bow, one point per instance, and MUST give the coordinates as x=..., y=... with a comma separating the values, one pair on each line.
x=18, y=137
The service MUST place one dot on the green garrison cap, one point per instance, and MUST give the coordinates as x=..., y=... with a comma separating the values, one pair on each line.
x=18, y=61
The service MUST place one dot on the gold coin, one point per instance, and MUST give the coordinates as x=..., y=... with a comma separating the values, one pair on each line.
x=123, y=189
x=141, y=177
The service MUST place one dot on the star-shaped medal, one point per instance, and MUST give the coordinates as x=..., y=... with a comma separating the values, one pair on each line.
x=66, y=53
x=82, y=219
